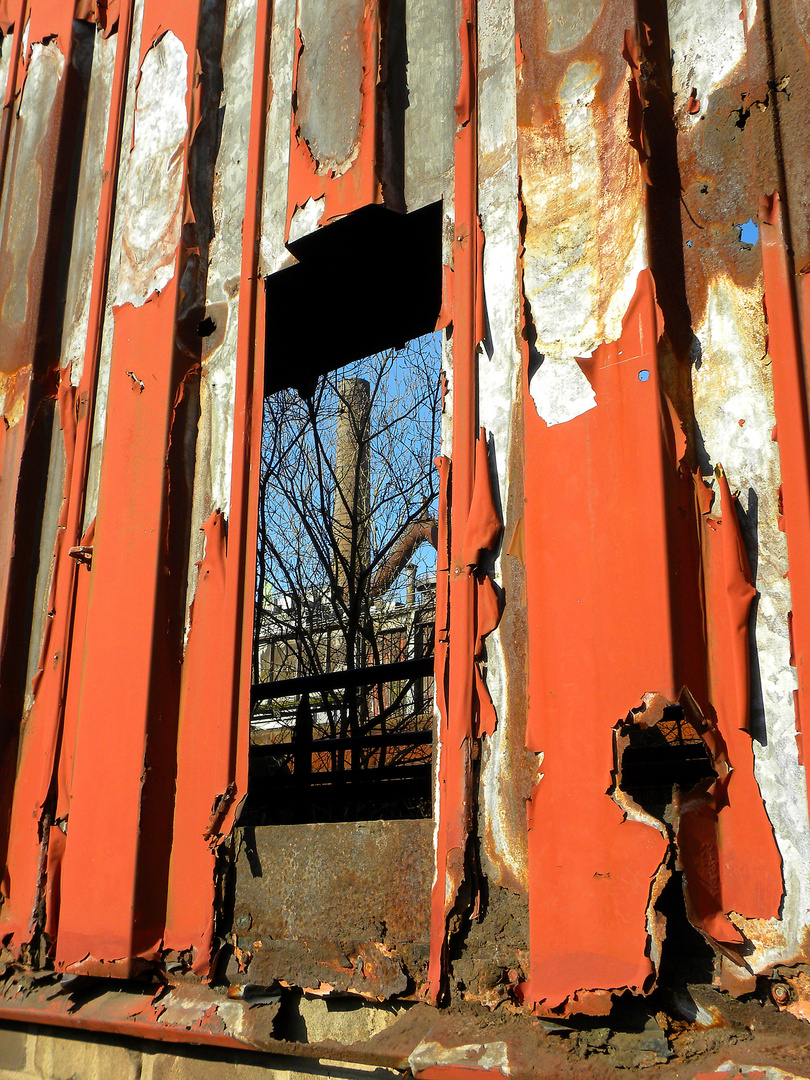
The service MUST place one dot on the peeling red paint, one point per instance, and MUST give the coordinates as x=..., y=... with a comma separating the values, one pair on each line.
x=138, y=756
x=50, y=18
x=454, y=797
x=742, y=824
x=42, y=733
x=359, y=184
x=790, y=400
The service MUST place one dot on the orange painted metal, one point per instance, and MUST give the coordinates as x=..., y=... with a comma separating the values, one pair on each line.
x=593, y=655
x=122, y=916
x=592, y=658
x=42, y=734
x=133, y=759
x=457, y=1072
x=453, y=807
x=725, y=840
x=791, y=406
x=212, y=771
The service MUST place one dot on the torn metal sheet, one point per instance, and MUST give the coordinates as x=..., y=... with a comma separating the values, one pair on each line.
x=568, y=651
x=333, y=140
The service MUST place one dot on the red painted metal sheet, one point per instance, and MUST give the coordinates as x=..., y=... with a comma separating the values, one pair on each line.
x=453, y=807
x=792, y=433
x=133, y=759
x=137, y=753
x=212, y=771
x=41, y=734
x=592, y=657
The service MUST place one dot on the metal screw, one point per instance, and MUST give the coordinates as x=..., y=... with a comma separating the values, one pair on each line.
x=780, y=993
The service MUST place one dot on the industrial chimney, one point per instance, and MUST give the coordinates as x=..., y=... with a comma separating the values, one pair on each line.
x=352, y=482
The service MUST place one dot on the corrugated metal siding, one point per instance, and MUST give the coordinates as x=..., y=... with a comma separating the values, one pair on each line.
x=619, y=365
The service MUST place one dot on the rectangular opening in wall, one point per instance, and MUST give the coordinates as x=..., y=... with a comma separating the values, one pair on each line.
x=343, y=697
x=342, y=717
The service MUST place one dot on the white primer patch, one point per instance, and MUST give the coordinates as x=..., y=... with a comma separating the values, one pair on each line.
x=561, y=391
x=105, y=357
x=5, y=55
x=569, y=21
x=85, y=231
x=704, y=50
x=273, y=255
x=153, y=205
x=19, y=216
x=494, y=1055
x=305, y=219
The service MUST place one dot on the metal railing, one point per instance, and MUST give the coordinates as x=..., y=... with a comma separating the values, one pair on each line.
x=304, y=745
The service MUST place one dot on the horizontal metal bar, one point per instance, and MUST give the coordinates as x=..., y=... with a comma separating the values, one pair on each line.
x=371, y=776
x=348, y=742
x=405, y=670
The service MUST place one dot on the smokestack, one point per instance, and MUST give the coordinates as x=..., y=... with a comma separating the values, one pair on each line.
x=351, y=509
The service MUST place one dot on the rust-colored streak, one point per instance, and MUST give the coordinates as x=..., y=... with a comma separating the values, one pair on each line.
x=454, y=794
x=358, y=185
x=790, y=402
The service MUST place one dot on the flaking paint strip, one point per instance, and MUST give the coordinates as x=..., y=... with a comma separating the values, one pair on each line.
x=152, y=226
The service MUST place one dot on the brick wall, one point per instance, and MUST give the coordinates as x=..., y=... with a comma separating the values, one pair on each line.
x=34, y=1052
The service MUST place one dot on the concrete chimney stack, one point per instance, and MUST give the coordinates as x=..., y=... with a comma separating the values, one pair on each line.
x=352, y=488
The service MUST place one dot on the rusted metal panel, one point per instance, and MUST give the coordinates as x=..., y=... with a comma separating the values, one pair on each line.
x=357, y=921
x=726, y=158
x=433, y=71
x=27, y=837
